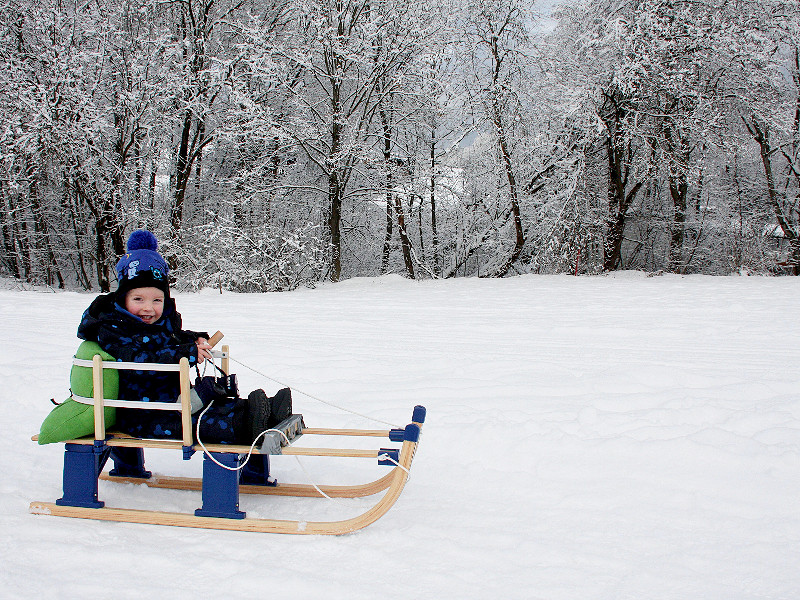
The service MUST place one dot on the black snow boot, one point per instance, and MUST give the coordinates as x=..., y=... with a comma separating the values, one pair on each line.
x=259, y=412
x=280, y=407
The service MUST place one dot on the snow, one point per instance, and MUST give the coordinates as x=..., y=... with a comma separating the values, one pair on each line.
x=587, y=438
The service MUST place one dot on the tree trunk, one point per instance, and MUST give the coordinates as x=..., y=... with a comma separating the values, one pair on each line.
x=618, y=204
x=519, y=234
x=335, y=184
x=505, y=154
x=335, y=223
x=9, y=233
x=761, y=135
x=70, y=206
x=615, y=229
x=183, y=170
x=398, y=205
x=678, y=189
x=613, y=112
x=387, y=239
x=405, y=242
x=434, y=231
x=101, y=231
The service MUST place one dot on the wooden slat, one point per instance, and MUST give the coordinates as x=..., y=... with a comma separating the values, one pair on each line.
x=351, y=432
x=225, y=363
x=187, y=520
x=186, y=402
x=282, y=489
x=97, y=384
x=338, y=452
x=129, y=442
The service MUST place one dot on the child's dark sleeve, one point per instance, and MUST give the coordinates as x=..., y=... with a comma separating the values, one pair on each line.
x=197, y=334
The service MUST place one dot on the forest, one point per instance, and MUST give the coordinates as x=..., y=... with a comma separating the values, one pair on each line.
x=272, y=144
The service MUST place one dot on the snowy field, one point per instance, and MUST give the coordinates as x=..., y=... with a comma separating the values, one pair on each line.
x=593, y=437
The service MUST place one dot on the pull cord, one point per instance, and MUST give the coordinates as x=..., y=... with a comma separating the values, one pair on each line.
x=313, y=397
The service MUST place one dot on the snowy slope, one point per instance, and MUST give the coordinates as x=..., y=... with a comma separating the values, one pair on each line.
x=607, y=437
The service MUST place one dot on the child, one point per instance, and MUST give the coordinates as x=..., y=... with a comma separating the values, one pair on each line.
x=139, y=323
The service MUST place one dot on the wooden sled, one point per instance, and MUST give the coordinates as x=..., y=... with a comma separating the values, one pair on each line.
x=85, y=458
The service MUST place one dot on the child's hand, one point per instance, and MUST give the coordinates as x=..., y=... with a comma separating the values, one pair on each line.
x=203, y=350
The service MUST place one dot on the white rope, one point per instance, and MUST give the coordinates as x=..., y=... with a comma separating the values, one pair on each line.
x=311, y=480
x=249, y=452
x=397, y=464
x=380, y=457
x=252, y=446
x=313, y=397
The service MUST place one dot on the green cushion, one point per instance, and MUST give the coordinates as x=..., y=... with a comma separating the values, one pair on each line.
x=71, y=419
x=81, y=382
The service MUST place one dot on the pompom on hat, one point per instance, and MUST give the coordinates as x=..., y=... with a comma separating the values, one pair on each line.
x=142, y=265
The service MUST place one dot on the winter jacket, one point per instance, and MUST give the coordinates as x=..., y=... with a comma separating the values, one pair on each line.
x=128, y=339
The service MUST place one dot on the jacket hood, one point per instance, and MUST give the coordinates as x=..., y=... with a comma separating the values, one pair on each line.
x=104, y=308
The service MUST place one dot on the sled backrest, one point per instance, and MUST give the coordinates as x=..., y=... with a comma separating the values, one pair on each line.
x=99, y=366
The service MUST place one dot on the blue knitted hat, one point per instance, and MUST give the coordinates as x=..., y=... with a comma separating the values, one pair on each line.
x=142, y=266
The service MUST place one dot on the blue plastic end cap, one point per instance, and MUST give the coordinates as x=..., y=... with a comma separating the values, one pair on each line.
x=397, y=435
x=412, y=433
x=419, y=414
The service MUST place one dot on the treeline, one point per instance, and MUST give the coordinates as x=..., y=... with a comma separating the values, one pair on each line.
x=272, y=144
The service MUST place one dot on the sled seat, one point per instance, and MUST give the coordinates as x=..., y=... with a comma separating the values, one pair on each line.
x=223, y=476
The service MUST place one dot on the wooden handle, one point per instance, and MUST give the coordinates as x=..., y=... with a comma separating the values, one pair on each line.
x=216, y=338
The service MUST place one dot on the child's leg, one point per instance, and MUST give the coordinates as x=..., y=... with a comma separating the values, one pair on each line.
x=128, y=462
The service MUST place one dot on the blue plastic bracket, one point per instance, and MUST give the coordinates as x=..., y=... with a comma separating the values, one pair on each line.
x=418, y=416
x=412, y=433
x=82, y=467
x=188, y=452
x=220, y=487
x=392, y=457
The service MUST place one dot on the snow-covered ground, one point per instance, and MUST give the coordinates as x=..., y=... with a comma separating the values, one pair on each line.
x=592, y=437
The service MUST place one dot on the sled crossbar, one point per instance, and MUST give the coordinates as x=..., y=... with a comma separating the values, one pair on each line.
x=116, y=440
x=223, y=478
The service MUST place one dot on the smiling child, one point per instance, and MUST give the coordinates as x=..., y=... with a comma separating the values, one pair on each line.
x=139, y=323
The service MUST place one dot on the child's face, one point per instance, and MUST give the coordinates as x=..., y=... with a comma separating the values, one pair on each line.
x=147, y=303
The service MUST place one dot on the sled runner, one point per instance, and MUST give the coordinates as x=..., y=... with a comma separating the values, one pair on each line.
x=221, y=484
